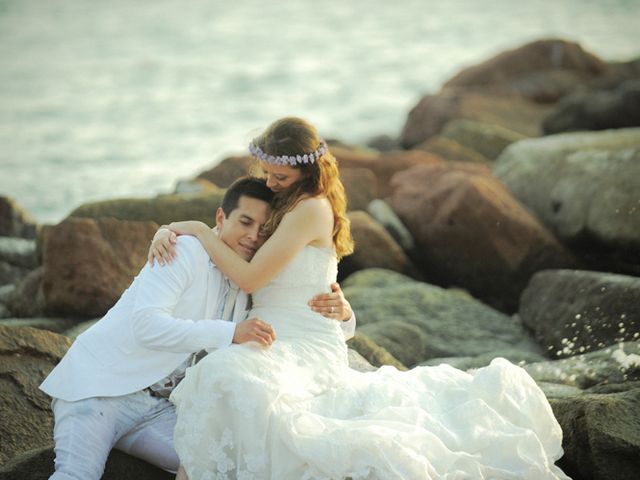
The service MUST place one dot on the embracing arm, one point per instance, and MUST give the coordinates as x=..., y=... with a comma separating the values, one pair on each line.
x=158, y=291
x=310, y=220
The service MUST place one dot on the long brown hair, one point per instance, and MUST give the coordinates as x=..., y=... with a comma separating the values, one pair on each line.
x=295, y=136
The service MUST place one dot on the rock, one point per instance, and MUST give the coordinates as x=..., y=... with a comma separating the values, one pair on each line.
x=486, y=139
x=4, y=312
x=574, y=311
x=28, y=355
x=382, y=213
x=451, y=150
x=14, y=220
x=361, y=186
x=198, y=186
x=384, y=143
x=373, y=353
x=10, y=274
x=514, y=355
x=75, y=330
x=596, y=110
x=27, y=298
x=20, y=252
x=615, y=364
x=375, y=247
x=5, y=292
x=601, y=434
x=430, y=115
x=37, y=464
x=416, y=321
x=229, y=170
x=89, y=263
x=358, y=362
x=468, y=228
x=543, y=71
x=56, y=325
x=162, y=210
x=383, y=166
x=584, y=187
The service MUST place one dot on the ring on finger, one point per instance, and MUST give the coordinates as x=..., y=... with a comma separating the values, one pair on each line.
x=331, y=308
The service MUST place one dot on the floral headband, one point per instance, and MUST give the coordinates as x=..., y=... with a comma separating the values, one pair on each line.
x=257, y=152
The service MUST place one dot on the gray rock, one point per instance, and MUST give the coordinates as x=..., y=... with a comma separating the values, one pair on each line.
x=5, y=292
x=10, y=274
x=487, y=139
x=614, y=364
x=575, y=311
x=385, y=216
x=584, y=186
x=517, y=356
x=15, y=221
x=19, y=252
x=27, y=299
x=4, y=311
x=78, y=328
x=37, y=464
x=601, y=434
x=358, y=362
x=416, y=321
x=596, y=110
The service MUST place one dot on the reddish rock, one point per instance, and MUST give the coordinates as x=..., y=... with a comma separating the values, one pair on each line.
x=375, y=248
x=89, y=263
x=542, y=71
x=451, y=150
x=471, y=232
x=361, y=187
x=27, y=355
x=228, y=170
x=383, y=166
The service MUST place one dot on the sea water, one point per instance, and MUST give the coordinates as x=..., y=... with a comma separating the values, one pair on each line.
x=113, y=98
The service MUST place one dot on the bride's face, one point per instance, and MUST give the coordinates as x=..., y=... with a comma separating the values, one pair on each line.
x=280, y=177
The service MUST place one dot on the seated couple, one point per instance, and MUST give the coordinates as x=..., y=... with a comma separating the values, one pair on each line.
x=273, y=397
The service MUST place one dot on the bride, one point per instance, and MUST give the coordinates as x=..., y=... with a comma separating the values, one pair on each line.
x=295, y=410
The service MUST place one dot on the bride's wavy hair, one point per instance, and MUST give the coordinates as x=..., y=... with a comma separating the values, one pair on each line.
x=295, y=136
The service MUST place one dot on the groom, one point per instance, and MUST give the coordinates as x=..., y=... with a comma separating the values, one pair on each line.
x=111, y=389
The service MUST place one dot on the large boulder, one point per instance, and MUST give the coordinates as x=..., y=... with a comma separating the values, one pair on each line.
x=543, y=71
x=584, y=186
x=37, y=464
x=373, y=353
x=596, y=110
x=18, y=251
x=433, y=112
x=27, y=298
x=601, y=433
x=468, y=228
x=484, y=138
x=385, y=216
x=451, y=150
x=574, y=311
x=374, y=248
x=14, y=220
x=229, y=170
x=616, y=364
x=360, y=185
x=385, y=165
x=27, y=356
x=416, y=321
x=162, y=210
x=89, y=263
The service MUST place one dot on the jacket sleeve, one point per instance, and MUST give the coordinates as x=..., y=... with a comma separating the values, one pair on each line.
x=349, y=327
x=158, y=291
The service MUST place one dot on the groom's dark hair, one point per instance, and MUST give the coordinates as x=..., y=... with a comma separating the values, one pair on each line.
x=251, y=187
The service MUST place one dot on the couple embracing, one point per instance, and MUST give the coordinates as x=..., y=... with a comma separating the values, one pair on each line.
x=183, y=373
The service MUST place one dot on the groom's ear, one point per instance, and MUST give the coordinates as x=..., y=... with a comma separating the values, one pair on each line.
x=220, y=217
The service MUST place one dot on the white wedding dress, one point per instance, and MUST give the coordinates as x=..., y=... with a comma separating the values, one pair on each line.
x=297, y=411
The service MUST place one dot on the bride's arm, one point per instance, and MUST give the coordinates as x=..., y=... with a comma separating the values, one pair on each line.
x=310, y=220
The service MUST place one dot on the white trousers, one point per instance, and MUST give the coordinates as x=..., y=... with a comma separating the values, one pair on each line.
x=85, y=432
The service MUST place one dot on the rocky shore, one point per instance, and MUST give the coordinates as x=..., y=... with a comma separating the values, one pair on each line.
x=503, y=220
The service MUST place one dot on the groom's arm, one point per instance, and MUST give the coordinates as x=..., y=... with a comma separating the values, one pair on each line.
x=158, y=291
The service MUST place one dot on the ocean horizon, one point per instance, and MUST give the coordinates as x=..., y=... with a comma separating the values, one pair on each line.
x=111, y=99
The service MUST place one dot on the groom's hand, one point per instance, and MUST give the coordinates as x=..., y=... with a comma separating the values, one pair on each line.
x=332, y=305
x=254, y=330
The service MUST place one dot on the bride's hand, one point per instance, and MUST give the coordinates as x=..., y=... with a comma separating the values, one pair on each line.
x=163, y=247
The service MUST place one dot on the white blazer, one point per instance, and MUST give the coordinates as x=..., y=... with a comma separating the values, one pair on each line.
x=164, y=316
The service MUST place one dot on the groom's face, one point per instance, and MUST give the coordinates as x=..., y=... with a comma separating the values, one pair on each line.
x=242, y=229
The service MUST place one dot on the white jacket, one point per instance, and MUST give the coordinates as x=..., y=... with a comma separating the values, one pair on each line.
x=164, y=316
